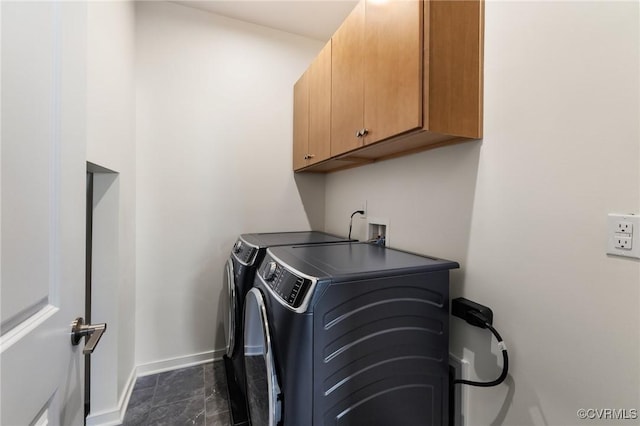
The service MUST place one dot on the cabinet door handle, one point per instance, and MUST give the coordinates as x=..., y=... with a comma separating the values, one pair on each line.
x=310, y=156
x=306, y=157
x=362, y=132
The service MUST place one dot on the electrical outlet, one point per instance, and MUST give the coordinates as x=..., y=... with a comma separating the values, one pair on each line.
x=623, y=243
x=624, y=227
x=622, y=230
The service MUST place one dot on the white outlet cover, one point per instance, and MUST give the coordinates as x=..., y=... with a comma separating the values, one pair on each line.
x=462, y=409
x=613, y=219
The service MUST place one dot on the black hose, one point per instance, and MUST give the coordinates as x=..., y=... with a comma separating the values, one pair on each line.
x=505, y=364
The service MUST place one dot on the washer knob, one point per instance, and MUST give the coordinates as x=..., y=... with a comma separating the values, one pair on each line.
x=270, y=271
x=237, y=247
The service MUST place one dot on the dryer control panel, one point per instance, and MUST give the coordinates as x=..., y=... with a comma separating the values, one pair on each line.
x=290, y=287
x=244, y=252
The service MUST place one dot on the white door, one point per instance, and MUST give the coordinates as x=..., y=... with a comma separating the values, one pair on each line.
x=43, y=48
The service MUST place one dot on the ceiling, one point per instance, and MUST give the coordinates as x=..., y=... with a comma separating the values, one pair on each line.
x=317, y=19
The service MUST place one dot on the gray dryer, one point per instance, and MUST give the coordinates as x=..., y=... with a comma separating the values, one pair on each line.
x=349, y=334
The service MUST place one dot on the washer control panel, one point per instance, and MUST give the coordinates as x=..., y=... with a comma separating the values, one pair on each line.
x=244, y=252
x=288, y=286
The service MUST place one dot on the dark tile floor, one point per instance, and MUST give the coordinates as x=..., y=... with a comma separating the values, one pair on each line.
x=188, y=396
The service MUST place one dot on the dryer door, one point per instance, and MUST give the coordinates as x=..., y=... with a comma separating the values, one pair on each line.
x=263, y=392
x=230, y=297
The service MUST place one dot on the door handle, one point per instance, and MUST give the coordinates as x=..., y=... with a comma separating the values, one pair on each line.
x=79, y=329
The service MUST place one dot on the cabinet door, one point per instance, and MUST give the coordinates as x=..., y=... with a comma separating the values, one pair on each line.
x=347, y=83
x=320, y=106
x=300, y=121
x=392, y=68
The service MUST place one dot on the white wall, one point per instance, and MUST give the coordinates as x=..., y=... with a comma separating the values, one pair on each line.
x=524, y=211
x=111, y=144
x=214, y=136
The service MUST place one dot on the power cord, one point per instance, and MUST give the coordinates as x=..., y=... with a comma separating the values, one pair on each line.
x=482, y=317
x=351, y=221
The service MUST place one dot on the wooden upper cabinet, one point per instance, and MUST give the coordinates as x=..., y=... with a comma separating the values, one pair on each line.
x=406, y=73
x=320, y=106
x=347, y=83
x=300, y=121
x=456, y=63
x=392, y=68
x=376, y=74
x=312, y=112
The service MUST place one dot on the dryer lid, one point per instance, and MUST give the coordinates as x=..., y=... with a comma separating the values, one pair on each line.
x=355, y=260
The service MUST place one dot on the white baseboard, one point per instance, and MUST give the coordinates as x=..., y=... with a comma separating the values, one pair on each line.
x=169, y=364
x=116, y=416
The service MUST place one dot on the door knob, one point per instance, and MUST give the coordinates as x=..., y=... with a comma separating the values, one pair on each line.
x=79, y=329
